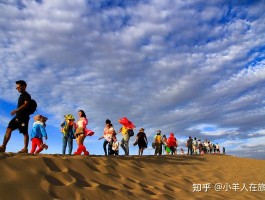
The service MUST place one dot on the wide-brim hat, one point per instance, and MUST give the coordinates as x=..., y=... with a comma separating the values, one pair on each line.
x=69, y=117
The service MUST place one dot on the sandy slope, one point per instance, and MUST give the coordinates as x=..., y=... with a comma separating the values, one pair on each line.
x=132, y=177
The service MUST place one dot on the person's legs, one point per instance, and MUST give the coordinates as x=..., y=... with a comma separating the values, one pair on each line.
x=173, y=150
x=26, y=140
x=23, y=124
x=39, y=142
x=105, y=147
x=110, y=151
x=81, y=139
x=156, y=149
x=160, y=149
x=64, y=140
x=33, y=146
x=123, y=145
x=126, y=145
x=12, y=125
x=81, y=148
x=7, y=137
x=141, y=151
x=70, y=145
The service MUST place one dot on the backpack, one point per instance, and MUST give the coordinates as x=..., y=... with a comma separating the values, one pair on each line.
x=158, y=139
x=130, y=132
x=32, y=106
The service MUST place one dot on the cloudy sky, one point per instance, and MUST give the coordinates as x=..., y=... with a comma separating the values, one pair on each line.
x=194, y=67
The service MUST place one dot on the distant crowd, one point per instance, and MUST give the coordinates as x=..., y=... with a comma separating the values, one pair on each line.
x=77, y=130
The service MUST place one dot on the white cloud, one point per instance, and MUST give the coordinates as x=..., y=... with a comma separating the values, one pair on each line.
x=166, y=65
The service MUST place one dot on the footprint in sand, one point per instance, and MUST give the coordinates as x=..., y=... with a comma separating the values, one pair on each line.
x=52, y=165
x=53, y=181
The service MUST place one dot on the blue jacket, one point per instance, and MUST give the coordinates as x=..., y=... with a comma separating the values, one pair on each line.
x=38, y=130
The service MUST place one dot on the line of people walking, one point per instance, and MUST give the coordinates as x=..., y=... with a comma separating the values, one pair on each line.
x=78, y=131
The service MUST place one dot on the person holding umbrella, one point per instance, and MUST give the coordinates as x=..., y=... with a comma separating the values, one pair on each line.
x=127, y=131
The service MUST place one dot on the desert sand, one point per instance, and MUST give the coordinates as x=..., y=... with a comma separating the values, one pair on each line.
x=25, y=176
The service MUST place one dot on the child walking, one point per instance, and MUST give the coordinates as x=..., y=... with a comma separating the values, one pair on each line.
x=115, y=146
x=37, y=133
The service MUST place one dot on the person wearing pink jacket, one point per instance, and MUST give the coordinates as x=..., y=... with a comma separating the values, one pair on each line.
x=81, y=133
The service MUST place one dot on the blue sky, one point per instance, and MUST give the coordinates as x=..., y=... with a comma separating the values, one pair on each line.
x=194, y=67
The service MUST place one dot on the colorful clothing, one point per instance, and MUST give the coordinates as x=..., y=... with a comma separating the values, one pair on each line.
x=36, y=142
x=81, y=124
x=37, y=133
x=68, y=130
x=172, y=143
x=158, y=144
x=125, y=140
x=108, y=133
x=115, y=148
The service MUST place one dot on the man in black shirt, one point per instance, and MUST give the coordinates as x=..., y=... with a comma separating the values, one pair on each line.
x=21, y=119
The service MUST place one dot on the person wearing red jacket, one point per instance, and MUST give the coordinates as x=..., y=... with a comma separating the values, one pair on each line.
x=172, y=143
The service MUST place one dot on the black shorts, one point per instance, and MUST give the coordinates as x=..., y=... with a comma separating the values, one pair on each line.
x=21, y=124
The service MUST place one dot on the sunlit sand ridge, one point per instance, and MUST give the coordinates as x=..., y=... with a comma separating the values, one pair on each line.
x=130, y=177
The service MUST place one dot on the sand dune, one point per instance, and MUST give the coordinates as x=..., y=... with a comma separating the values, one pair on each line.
x=132, y=177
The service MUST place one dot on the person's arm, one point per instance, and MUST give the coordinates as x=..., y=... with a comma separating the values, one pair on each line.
x=145, y=139
x=63, y=124
x=43, y=132
x=25, y=105
x=114, y=132
x=85, y=122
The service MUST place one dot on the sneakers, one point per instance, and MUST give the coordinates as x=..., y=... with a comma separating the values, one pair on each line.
x=2, y=149
x=44, y=146
x=23, y=151
x=77, y=153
